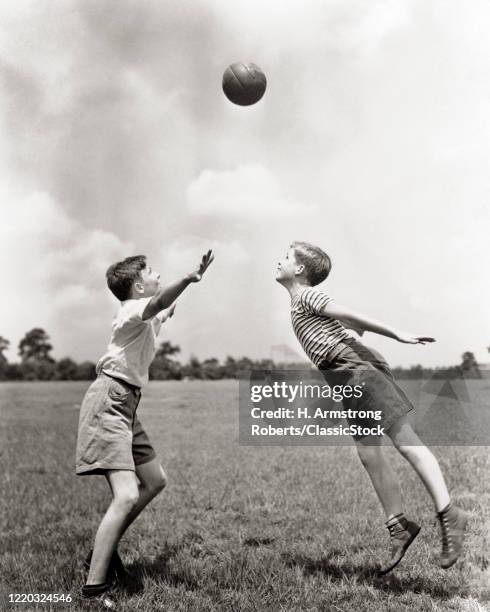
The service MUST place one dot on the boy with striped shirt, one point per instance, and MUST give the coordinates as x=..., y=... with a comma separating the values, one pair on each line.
x=320, y=326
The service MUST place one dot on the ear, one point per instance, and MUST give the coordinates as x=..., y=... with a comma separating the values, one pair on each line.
x=138, y=287
x=299, y=269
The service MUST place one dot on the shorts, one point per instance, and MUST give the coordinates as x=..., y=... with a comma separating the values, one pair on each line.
x=356, y=364
x=110, y=435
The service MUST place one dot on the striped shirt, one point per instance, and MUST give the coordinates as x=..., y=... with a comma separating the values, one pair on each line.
x=317, y=333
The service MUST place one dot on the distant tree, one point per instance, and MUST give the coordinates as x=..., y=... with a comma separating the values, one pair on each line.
x=38, y=369
x=193, y=369
x=163, y=366
x=13, y=372
x=416, y=372
x=469, y=365
x=85, y=371
x=265, y=364
x=229, y=368
x=66, y=369
x=36, y=362
x=244, y=364
x=211, y=369
x=35, y=344
x=4, y=344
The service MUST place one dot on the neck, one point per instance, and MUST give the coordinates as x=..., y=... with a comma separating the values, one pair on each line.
x=295, y=287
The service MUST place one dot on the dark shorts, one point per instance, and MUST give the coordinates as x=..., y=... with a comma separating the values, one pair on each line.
x=356, y=364
x=110, y=435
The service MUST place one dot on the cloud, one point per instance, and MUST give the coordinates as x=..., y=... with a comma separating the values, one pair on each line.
x=54, y=274
x=376, y=111
x=249, y=192
x=95, y=105
x=183, y=254
x=207, y=312
x=348, y=26
x=186, y=251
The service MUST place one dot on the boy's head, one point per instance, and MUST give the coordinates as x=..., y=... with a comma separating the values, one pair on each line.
x=304, y=262
x=132, y=278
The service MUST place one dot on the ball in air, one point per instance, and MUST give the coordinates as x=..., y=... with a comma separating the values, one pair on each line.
x=244, y=84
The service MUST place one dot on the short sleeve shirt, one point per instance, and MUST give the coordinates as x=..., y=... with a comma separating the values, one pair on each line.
x=133, y=343
x=317, y=334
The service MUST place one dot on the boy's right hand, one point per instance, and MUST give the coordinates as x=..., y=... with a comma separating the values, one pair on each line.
x=196, y=276
x=412, y=339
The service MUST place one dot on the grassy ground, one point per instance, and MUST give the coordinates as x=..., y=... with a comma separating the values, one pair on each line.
x=239, y=528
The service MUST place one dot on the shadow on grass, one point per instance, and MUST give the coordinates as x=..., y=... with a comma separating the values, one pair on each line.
x=341, y=571
x=160, y=570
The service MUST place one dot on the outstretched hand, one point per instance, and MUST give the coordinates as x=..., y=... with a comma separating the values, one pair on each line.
x=196, y=276
x=411, y=339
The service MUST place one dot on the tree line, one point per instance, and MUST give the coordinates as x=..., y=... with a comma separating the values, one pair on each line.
x=37, y=363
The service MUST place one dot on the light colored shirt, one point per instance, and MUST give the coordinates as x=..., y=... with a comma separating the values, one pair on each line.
x=133, y=343
x=317, y=333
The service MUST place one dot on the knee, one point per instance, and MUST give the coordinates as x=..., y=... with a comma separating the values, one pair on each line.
x=403, y=436
x=369, y=455
x=159, y=482
x=126, y=500
x=411, y=453
x=407, y=443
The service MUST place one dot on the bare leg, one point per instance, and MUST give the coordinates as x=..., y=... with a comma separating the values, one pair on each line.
x=120, y=515
x=124, y=488
x=422, y=460
x=382, y=475
x=152, y=480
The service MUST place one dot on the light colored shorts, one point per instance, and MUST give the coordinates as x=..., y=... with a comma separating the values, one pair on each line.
x=110, y=436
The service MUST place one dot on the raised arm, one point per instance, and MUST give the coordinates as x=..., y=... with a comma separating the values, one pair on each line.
x=164, y=297
x=355, y=320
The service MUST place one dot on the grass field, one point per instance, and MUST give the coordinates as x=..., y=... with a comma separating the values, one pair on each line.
x=238, y=528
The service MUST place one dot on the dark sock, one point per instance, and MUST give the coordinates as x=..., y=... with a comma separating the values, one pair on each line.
x=444, y=510
x=92, y=590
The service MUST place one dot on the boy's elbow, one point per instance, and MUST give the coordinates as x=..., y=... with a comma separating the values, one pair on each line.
x=165, y=302
x=350, y=322
x=160, y=301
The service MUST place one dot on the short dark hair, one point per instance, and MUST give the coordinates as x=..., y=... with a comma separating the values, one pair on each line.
x=121, y=275
x=316, y=262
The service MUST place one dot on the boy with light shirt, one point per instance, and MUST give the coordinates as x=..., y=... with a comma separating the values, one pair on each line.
x=111, y=440
x=320, y=326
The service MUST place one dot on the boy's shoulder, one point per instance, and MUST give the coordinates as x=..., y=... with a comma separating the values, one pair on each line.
x=310, y=300
x=132, y=310
x=312, y=293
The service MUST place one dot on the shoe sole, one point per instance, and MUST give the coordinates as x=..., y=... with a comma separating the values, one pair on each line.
x=383, y=572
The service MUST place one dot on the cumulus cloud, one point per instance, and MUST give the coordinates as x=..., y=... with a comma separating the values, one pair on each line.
x=184, y=254
x=350, y=26
x=248, y=192
x=115, y=126
x=208, y=312
x=54, y=274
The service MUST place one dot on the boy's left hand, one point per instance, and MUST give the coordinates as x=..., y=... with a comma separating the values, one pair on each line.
x=412, y=339
x=207, y=259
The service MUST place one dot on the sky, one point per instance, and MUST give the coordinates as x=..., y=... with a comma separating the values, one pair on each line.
x=370, y=141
